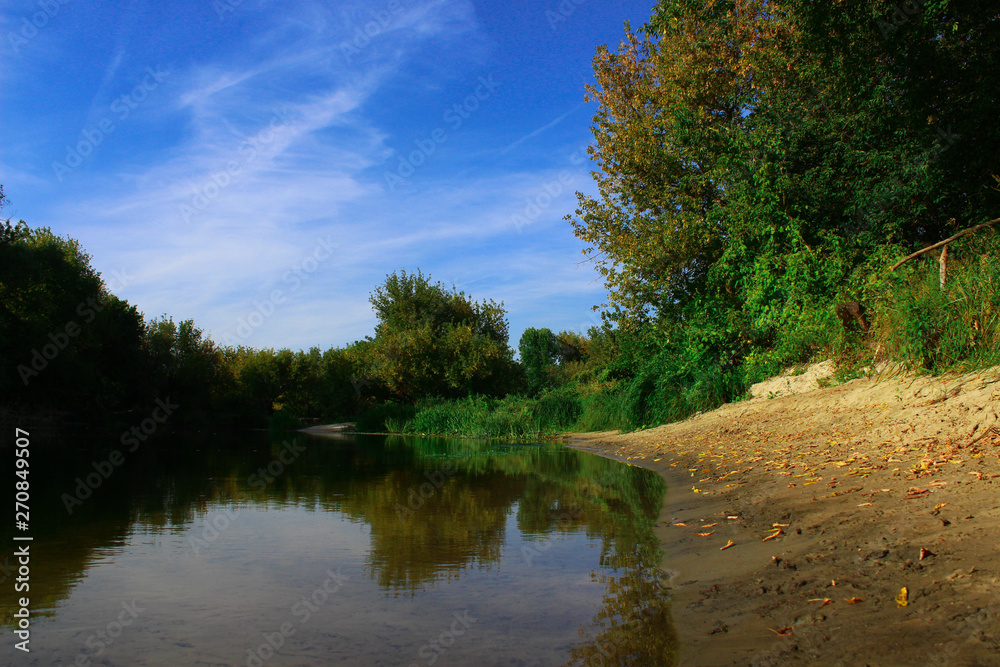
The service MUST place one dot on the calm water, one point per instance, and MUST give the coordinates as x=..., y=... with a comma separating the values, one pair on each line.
x=355, y=550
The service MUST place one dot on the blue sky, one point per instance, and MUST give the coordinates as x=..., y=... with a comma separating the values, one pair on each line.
x=261, y=166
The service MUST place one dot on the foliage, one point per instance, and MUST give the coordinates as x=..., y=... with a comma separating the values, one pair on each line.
x=65, y=342
x=926, y=327
x=431, y=341
x=761, y=161
x=539, y=349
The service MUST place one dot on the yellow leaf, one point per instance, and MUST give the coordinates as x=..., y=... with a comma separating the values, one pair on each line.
x=903, y=598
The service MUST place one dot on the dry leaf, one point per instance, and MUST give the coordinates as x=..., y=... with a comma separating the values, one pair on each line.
x=705, y=534
x=729, y=544
x=771, y=537
x=780, y=525
x=940, y=506
x=825, y=601
x=903, y=598
x=854, y=600
x=679, y=525
x=783, y=632
x=865, y=505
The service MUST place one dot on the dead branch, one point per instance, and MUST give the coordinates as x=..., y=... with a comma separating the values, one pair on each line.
x=942, y=243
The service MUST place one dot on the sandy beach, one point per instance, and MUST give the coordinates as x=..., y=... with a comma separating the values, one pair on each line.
x=793, y=524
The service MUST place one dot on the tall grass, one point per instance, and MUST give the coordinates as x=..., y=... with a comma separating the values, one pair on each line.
x=921, y=325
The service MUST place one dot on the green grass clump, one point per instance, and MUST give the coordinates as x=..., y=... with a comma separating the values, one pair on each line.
x=922, y=326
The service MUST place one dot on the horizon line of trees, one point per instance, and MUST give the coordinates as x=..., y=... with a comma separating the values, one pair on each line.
x=69, y=345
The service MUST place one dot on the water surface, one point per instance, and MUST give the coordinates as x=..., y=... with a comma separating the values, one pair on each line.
x=356, y=550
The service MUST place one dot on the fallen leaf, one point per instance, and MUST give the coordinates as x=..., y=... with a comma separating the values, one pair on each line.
x=825, y=601
x=865, y=505
x=705, y=534
x=940, y=506
x=780, y=525
x=711, y=525
x=903, y=598
x=771, y=537
x=926, y=553
x=732, y=517
x=783, y=632
x=854, y=600
x=729, y=544
x=679, y=525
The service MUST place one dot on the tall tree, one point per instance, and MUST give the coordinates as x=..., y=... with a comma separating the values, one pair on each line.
x=539, y=350
x=758, y=157
x=432, y=341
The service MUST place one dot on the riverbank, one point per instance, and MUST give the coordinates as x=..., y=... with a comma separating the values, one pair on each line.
x=793, y=524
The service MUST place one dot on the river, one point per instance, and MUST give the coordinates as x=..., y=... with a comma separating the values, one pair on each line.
x=255, y=549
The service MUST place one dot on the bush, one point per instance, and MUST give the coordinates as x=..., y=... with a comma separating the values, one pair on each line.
x=955, y=328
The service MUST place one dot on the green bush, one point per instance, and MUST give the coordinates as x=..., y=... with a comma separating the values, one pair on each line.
x=955, y=328
x=384, y=418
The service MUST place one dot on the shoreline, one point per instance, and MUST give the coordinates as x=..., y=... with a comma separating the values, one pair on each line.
x=866, y=487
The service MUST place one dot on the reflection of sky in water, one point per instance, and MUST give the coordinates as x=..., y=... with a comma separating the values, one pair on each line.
x=208, y=596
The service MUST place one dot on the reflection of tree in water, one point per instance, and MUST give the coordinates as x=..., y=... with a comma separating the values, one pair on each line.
x=635, y=625
x=553, y=491
x=424, y=531
x=459, y=523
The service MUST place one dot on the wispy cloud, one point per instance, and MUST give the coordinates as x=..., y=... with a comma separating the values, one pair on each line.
x=281, y=136
x=548, y=126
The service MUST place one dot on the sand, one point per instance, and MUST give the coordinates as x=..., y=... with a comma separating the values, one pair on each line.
x=871, y=486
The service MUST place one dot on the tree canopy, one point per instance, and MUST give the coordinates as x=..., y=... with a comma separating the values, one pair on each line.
x=755, y=156
x=432, y=341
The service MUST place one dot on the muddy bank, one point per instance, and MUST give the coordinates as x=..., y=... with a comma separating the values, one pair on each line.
x=792, y=524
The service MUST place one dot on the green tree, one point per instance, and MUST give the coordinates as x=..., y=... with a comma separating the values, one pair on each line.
x=761, y=159
x=185, y=366
x=539, y=350
x=431, y=341
x=65, y=341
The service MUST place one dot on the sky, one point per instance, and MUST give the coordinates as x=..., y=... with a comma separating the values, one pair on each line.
x=260, y=167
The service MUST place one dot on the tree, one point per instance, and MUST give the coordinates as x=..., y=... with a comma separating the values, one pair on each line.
x=431, y=341
x=758, y=158
x=539, y=350
x=65, y=341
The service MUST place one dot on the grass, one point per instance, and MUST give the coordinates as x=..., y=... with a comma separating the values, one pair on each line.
x=957, y=328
